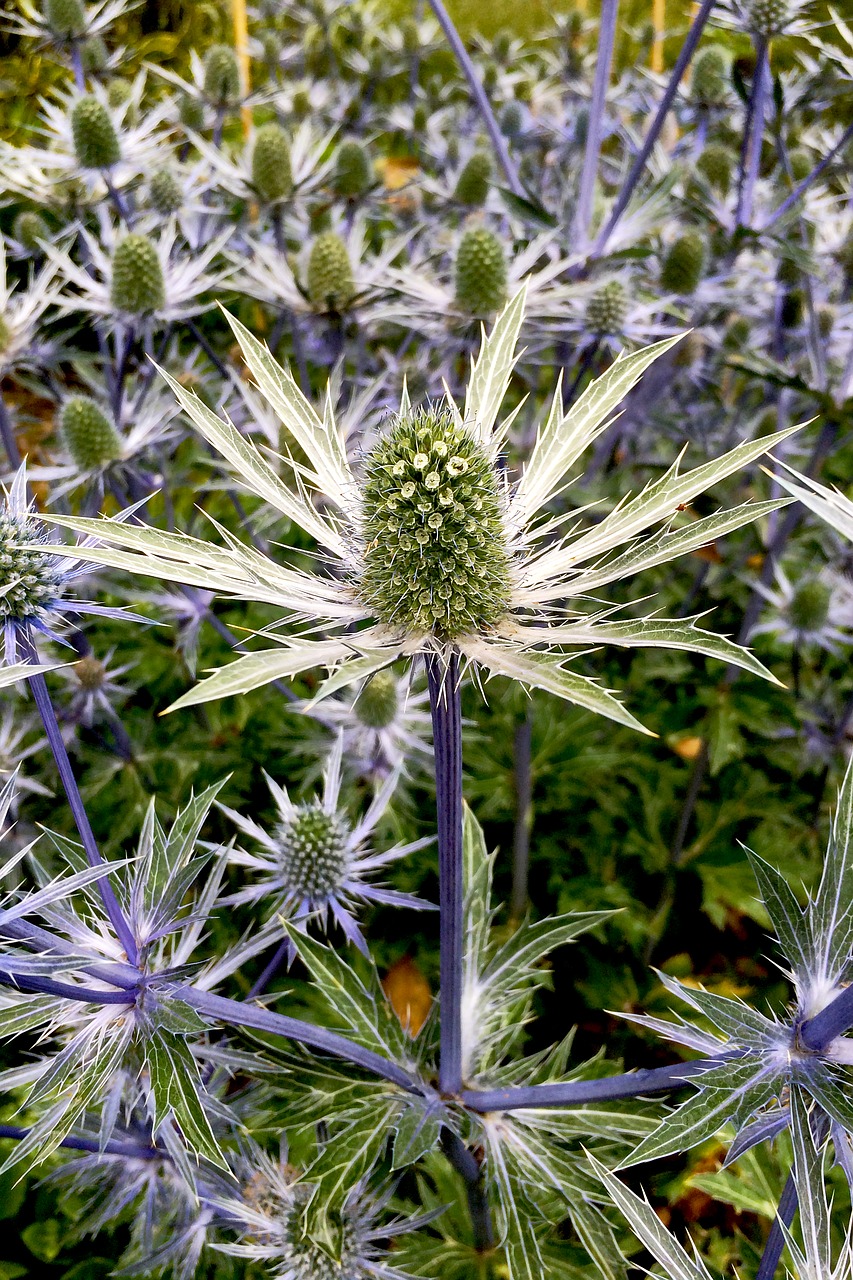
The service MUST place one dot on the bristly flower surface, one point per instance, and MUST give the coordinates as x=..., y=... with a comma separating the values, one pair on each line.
x=315, y=861
x=430, y=549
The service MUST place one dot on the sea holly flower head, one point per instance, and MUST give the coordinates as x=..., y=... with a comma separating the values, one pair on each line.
x=429, y=483
x=315, y=861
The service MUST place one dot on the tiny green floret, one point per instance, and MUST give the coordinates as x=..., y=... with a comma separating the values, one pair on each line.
x=436, y=559
x=30, y=578
x=312, y=851
x=377, y=704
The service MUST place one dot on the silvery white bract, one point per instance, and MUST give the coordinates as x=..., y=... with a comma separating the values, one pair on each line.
x=540, y=564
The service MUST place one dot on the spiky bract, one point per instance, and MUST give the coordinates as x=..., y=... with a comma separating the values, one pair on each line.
x=436, y=558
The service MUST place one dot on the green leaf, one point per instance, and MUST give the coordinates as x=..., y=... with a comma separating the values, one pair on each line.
x=787, y=916
x=257, y=669
x=417, y=1132
x=44, y=1239
x=177, y=1091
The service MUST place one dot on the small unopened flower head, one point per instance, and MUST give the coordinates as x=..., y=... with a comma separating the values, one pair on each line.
x=221, y=76
x=809, y=605
x=313, y=852
x=271, y=45
x=137, y=276
x=32, y=579
x=65, y=19
x=272, y=175
x=436, y=558
x=481, y=273
x=801, y=164
x=768, y=18
x=164, y=192
x=89, y=436
x=716, y=164
x=96, y=142
x=94, y=54
x=607, y=308
x=512, y=120
x=683, y=264
x=353, y=172
x=29, y=229
x=330, y=280
x=378, y=702
x=191, y=112
x=91, y=673
x=472, y=185
x=709, y=81
x=119, y=91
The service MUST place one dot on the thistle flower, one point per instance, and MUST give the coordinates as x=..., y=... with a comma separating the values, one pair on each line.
x=272, y=174
x=433, y=546
x=94, y=687
x=384, y=725
x=710, y=76
x=269, y=166
x=221, y=76
x=63, y=23
x=814, y=609
x=472, y=185
x=353, y=172
x=480, y=273
x=329, y=279
x=28, y=230
x=315, y=862
x=683, y=264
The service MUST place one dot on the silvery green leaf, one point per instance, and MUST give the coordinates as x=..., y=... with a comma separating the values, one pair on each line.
x=662, y=633
x=790, y=921
x=493, y=368
x=323, y=445
x=564, y=436
x=364, y=664
x=648, y=1228
x=543, y=672
x=23, y=670
x=353, y=1150
x=732, y=1091
x=811, y=1189
x=257, y=669
x=520, y=1240
x=736, y=1019
x=416, y=1132
x=662, y=547
x=597, y=1237
x=829, y=504
x=177, y=1090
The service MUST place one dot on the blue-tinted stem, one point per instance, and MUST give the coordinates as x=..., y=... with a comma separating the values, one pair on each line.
x=453, y=38
x=446, y=708
x=681, y=64
x=807, y=181
x=77, y=65
x=46, y=710
x=7, y=434
x=40, y=940
x=466, y=1165
x=595, y=126
x=758, y=108
x=115, y=1147
x=572, y=1093
x=67, y=990
x=832, y=1021
x=776, y=1236
x=238, y=1014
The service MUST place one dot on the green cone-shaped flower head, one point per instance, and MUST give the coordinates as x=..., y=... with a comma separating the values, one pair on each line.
x=164, y=192
x=769, y=18
x=472, y=185
x=330, y=280
x=512, y=120
x=607, y=308
x=89, y=436
x=137, y=277
x=683, y=264
x=272, y=46
x=119, y=90
x=95, y=140
x=65, y=19
x=272, y=175
x=312, y=852
x=436, y=558
x=94, y=54
x=353, y=172
x=801, y=164
x=481, y=273
x=716, y=163
x=377, y=704
x=29, y=228
x=191, y=112
x=221, y=76
x=33, y=577
x=709, y=81
x=809, y=606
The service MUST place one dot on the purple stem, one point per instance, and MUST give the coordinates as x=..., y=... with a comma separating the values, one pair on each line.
x=681, y=63
x=592, y=151
x=743, y=216
x=776, y=1236
x=68, y=990
x=238, y=1014
x=114, y=1148
x=37, y=939
x=77, y=64
x=832, y=1021
x=808, y=180
x=446, y=708
x=572, y=1093
x=46, y=710
x=7, y=434
x=475, y=85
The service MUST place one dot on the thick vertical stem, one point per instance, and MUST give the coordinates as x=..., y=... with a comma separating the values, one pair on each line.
x=604, y=62
x=465, y=1163
x=776, y=1238
x=681, y=64
x=756, y=134
x=7, y=434
x=446, y=709
x=452, y=36
x=53, y=733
